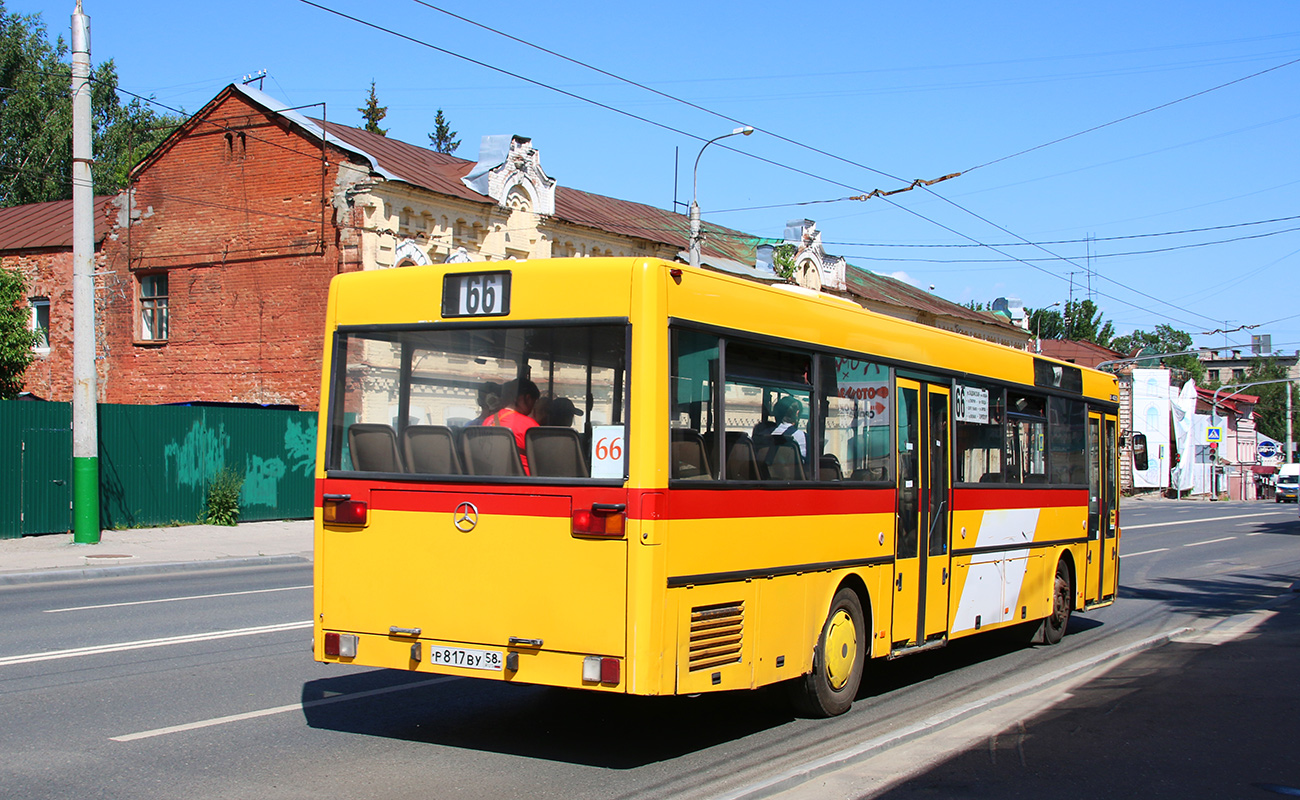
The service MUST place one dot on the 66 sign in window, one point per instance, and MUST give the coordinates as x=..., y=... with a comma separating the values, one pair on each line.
x=476, y=294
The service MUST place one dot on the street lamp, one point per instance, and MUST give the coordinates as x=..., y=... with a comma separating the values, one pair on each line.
x=1038, y=329
x=696, y=238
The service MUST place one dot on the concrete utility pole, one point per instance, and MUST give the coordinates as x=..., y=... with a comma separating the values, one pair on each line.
x=85, y=428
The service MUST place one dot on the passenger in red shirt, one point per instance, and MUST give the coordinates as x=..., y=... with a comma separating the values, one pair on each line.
x=520, y=397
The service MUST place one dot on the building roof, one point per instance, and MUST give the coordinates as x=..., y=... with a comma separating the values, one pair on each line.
x=1231, y=402
x=1085, y=354
x=874, y=286
x=43, y=226
x=438, y=172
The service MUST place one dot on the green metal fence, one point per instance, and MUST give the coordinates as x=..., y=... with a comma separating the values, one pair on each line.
x=155, y=463
x=35, y=468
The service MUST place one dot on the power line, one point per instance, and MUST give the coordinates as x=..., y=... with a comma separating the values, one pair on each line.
x=958, y=245
x=1133, y=116
x=1068, y=259
x=574, y=96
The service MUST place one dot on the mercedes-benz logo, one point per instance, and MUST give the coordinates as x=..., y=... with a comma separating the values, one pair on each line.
x=465, y=518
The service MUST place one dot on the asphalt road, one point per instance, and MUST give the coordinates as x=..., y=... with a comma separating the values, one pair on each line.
x=201, y=684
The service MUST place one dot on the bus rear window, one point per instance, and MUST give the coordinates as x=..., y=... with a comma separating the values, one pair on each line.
x=491, y=402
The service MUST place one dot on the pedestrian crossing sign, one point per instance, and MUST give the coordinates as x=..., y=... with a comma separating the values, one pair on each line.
x=1214, y=434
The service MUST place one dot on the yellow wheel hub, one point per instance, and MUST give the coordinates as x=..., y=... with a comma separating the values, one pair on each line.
x=841, y=649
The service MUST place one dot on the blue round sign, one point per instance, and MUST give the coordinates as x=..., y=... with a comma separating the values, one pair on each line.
x=1268, y=449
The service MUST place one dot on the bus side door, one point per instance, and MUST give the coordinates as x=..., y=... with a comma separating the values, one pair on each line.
x=921, y=556
x=1103, y=562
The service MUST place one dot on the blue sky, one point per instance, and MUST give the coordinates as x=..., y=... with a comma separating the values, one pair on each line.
x=910, y=90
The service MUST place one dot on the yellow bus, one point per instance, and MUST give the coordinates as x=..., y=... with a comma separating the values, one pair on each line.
x=628, y=475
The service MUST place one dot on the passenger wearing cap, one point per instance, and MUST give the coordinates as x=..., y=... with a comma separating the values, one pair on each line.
x=561, y=412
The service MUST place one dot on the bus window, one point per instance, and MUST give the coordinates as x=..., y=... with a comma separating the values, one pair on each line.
x=767, y=395
x=979, y=416
x=856, y=408
x=1067, y=427
x=405, y=399
x=1026, y=439
x=691, y=404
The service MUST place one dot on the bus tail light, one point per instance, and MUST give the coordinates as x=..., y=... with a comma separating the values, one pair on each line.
x=596, y=669
x=341, y=509
x=341, y=645
x=602, y=520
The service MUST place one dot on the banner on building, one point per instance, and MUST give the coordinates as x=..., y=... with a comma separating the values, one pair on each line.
x=1151, y=417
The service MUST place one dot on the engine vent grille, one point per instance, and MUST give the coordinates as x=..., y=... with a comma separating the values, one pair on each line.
x=716, y=635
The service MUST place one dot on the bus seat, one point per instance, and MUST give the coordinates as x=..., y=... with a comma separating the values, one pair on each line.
x=690, y=459
x=1035, y=477
x=991, y=477
x=373, y=447
x=875, y=474
x=555, y=452
x=741, y=463
x=490, y=450
x=779, y=460
x=829, y=468
x=430, y=449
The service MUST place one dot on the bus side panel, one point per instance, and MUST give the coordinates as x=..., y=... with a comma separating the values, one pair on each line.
x=1012, y=582
x=716, y=630
x=783, y=625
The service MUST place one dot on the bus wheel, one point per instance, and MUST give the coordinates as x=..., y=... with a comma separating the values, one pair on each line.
x=838, y=660
x=1054, y=626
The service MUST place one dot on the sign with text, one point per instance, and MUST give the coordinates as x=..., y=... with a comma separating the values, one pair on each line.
x=607, y=448
x=972, y=404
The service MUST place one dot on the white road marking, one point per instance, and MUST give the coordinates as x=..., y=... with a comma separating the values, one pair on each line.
x=1210, y=541
x=142, y=644
x=1144, y=552
x=174, y=599
x=267, y=712
x=1194, y=521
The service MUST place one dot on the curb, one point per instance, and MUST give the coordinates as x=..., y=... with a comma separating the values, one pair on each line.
x=69, y=574
x=802, y=774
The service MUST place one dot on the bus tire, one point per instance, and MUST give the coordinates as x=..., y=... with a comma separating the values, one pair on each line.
x=1062, y=601
x=838, y=661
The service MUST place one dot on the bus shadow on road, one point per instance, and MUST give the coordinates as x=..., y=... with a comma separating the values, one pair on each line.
x=563, y=725
x=599, y=729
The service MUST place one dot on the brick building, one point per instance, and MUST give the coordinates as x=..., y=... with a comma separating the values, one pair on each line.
x=37, y=242
x=215, y=265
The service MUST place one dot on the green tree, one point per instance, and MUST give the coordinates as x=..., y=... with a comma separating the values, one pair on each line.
x=443, y=139
x=36, y=118
x=1046, y=323
x=1164, y=339
x=372, y=112
x=1270, y=411
x=1081, y=321
x=16, y=335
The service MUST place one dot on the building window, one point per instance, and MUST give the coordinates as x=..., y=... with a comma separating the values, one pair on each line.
x=41, y=322
x=153, y=307
x=1239, y=374
x=1213, y=375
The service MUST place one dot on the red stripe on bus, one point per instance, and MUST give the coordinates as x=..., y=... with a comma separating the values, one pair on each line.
x=722, y=504
x=983, y=499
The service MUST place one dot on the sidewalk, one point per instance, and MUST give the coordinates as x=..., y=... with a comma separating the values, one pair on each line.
x=56, y=557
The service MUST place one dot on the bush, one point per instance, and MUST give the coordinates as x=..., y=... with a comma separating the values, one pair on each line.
x=221, y=506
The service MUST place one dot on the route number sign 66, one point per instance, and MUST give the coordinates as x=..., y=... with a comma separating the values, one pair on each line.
x=476, y=294
x=607, y=449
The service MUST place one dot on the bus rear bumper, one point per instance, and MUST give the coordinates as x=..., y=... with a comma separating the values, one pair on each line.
x=514, y=664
